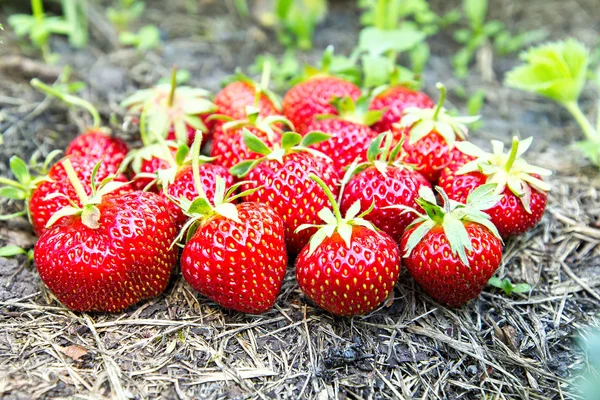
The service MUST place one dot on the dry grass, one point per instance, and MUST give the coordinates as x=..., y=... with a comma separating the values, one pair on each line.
x=182, y=346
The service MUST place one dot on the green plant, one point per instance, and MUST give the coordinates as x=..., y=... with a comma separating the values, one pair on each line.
x=283, y=70
x=393, y=27
x=558, y=71
x=474, y=106
x=481, y=32
x=296, y=21
x=242, y=8
x=147, y=38
x=12, y=251
x=76, y=15
x=507, y=286
x=125, y=12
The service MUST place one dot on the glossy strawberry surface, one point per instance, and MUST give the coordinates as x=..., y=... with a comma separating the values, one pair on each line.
x=183, y=186
x=394, y=101
x=428, y=155
x=399, y=186
x=41, y=209
x=233, y=99
x=313, y=97
x=442, y=274
x=348, y=141
x=509, y=215
x=352, y=280
x=288, y=189
x=239, y=265
x=126, y=259
x=98, y=145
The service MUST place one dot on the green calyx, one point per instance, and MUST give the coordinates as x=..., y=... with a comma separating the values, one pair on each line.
x=378, y=156
x=200, y=209
x=422, y=122
x=261, y=88
x=89, y=212
x=268, y=124
x=334, y=222
x=506, y=169
x=25, y=182
x=167, y=104
x=354, y=111
x=452, y=217
x=69, y=99
x=290, y=142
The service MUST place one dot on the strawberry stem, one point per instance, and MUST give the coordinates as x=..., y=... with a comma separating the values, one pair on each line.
x=438, y=107
x=173, y=86
x=75, y=180
x=69, y=99
x=330, y=196
x=196, y=164
x=513, y=154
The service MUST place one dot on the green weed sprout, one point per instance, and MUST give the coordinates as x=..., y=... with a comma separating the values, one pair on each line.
x=147, y=38
x=39, y=27
x=508, y=287
x=298, y=20
x=558, y=71
x=124, y=13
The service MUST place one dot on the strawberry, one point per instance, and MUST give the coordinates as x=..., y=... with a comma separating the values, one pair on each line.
x=282, y=179
x=228, y=145
x=95, y=142
x=146, y=164
x=111, y=252
x=183, y=184
x=380, y=182
x=394, y=100
x=43, y=203
x=235, y=255
x=452, y=251
x=429, y=136
x=524, y=194
x=348, y=268
x=175, y=113
x=235, y=98
x=313, y=96
x=349, y=132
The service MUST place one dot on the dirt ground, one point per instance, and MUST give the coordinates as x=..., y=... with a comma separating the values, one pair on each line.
x=181, y=345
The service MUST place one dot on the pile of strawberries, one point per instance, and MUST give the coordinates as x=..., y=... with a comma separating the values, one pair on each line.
x=339, y=181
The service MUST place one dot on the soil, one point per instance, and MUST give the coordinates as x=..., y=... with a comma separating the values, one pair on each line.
x=181, y=345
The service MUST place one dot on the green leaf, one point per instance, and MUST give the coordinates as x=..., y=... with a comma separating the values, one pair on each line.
x=182, y=152
x=555, y=70
x=200, y=206
x=475, y=11
x=290, y=139
x=12, y=193
x=375, y=147
x=19, y=169
x=149, y=38
x=11, y=251
x=242, y=168
x=314, y=137
x=376, y=41
x=377, y=69
x=417, y=236
x=255, y=144
x=458, y=238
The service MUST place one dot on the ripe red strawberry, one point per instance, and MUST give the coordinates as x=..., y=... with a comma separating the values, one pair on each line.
x=348, y=268
x=236, y=255
x=429, y=136
x=182, y=186
x=174, y=112
x=452, y=251
x=524, y=194
x=98, y=145
x=381, y=182
x=394, y=100
x=349, y=133
x=313, y=97
x=111, y=253
x=42, y=208
x=228, y=145
x=146, y=164
x=96, y=141
x=235, y=98
x=282, y=179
